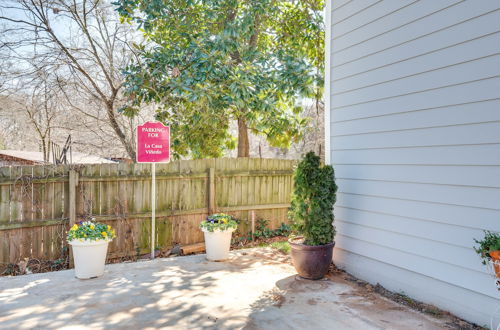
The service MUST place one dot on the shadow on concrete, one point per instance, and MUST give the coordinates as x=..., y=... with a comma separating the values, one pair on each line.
x=176, y=292
x=254, y=289
x=331, y=303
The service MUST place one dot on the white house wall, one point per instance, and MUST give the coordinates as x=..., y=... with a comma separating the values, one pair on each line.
x=414, y=138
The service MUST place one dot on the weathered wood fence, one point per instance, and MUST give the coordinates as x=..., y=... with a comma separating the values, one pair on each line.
x=37, y=202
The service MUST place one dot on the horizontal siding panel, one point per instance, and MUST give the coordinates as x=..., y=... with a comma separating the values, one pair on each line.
x=341, y=13
x=461, y=277
x=374, y=16
x=456, y=195
x=477, y=307
x=477, y=112
x=482, y=133
x=452, y=18
x=427, y=230
x=463, y=52
x=482, y=176
x=415, y=139
x=391, y=15
x=486, y=89
x=337, y=4
x=451, y=75
x=439, y=251
x=449, y=155
x=457, y=215
x=452, y=36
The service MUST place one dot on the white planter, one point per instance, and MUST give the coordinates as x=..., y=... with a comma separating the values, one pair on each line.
x=89, y=257
x=217, y=244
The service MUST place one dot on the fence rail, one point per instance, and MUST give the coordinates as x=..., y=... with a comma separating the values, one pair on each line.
x=38, y=203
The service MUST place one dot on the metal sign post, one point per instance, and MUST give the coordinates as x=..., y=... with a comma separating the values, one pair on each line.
x=153, y=146
x=153, y=208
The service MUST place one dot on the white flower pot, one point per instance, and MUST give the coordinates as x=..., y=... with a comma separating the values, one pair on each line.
x=89, y=257
x=217, y=244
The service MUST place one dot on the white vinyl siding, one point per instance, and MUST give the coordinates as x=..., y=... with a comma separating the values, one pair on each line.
x=414, y=139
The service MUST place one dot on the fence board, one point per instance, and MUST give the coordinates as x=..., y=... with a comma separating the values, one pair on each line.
x=34, y=202
x=5, y=197
x=16, y=204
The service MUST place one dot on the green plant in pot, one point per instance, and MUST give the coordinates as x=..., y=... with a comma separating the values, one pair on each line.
x=489, y=250
x=311, y=215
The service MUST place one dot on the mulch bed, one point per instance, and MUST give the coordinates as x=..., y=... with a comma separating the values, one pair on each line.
x=31, y=266
x=245, y=244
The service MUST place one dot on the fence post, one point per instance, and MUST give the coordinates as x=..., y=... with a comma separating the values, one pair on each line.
x=253, y=224
x=211, y=190
x=73, y=182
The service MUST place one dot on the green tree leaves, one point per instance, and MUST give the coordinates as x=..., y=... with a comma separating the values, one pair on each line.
x=211, y=61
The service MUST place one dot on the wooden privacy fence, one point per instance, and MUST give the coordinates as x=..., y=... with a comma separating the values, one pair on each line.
x=37, y=202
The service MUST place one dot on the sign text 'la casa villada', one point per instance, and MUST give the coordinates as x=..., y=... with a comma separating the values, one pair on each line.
x=153, y=143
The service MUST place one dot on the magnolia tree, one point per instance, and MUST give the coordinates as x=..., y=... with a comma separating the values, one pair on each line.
x=208, y=62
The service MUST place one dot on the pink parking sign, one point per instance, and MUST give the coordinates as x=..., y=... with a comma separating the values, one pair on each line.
x=153, y=143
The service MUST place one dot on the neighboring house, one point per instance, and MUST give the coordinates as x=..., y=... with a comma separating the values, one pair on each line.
x=20, y=157
x=414, y=137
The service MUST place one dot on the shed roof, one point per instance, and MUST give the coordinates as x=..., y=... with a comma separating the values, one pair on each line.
x=37, y=156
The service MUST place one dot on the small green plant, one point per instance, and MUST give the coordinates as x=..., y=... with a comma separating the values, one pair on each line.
x=283, y=247
x=219, y=221
x=490, y=242
x=314, y=195
x=90, y=231
x=283, y=230
x=262, y=230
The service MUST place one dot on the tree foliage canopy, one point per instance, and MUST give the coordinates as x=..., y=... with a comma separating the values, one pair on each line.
x=209, y=61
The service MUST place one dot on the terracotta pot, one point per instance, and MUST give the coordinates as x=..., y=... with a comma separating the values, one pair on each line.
x=495, y=258
x=311, y=262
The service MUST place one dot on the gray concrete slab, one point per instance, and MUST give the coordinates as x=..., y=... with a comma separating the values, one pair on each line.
x=254, y=289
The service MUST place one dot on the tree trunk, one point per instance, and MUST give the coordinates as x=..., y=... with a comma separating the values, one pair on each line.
x=243, y=143
x=44, y=149
x=123, y=139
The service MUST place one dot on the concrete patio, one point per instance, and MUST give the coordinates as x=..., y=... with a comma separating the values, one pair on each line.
x=255, y=289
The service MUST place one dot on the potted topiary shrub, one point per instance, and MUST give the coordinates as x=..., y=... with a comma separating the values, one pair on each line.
x=89, y=241
x=218, y=229
x=311, y=215
x=489, y=250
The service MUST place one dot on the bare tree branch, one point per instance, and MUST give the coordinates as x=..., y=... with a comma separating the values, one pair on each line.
x=82, y=46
